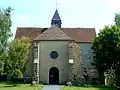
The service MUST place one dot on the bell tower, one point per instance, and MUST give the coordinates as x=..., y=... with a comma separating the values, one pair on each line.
x=56, y=20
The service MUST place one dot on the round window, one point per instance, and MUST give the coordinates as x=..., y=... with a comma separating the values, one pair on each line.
x=53, y=54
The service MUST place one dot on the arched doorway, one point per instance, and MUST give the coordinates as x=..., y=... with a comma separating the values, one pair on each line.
x=53, y=76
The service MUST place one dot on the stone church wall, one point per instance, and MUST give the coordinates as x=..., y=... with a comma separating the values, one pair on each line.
x=61, y=62
x=86, y=56
x=46, y=62
x=28, y=75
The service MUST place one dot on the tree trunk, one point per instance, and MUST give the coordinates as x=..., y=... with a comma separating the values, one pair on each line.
x=101, y=78
x=8, y=77
x=117, y=73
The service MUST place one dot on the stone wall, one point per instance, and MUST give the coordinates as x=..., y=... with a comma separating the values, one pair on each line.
x=28, y=75
x=61, y=62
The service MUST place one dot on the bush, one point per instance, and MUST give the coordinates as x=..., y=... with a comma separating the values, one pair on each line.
x=111, y=78
x=17, y=74
x=69, y=84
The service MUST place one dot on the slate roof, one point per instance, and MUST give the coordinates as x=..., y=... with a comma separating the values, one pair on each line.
x=85, y=35
x=56, y=16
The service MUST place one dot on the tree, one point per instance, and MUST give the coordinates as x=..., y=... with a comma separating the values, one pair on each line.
x=117, y=19
x=106, y=50
x=5, y=27
x=3, y=58
x=18, y=55
x=5, y=34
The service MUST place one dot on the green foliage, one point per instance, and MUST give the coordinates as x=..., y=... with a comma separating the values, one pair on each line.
x=1, y=66
x=106, y=50
x=117, y=19
x=18, y=55
x=5, y=34
x=14, y=56
x=17, y=74
x=111, y=78
x=19, y=86
x=5, y=27
x=87, y=88
x=3, y=57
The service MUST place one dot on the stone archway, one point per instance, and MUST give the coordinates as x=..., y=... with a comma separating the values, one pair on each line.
x=53, y=75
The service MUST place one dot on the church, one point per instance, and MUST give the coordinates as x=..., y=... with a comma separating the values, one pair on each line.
x=57, y=54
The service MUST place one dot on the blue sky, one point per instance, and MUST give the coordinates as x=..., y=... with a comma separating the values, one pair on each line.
x=74, y=13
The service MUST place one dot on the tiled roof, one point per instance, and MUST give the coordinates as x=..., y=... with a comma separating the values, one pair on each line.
x=53, y=33
x=81, y=34
x=77, y=34
x=28, y=32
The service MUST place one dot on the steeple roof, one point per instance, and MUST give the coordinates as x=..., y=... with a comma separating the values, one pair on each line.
x=56, y=19
x=56, y=16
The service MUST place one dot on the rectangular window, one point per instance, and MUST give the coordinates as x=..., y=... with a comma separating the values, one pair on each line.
x=36, y=53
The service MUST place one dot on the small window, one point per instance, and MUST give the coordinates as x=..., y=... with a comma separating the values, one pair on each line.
x=53, y=54
x=35, y=53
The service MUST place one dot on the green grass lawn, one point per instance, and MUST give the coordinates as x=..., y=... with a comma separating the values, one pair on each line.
x=5, y=86
x=86, y=88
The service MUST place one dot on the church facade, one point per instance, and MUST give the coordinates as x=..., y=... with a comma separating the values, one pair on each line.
x=57, y=54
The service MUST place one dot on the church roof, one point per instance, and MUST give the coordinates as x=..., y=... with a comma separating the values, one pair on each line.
x=78, y=34
x=53, y=33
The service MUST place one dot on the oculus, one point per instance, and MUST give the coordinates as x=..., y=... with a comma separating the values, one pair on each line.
x=53, y=54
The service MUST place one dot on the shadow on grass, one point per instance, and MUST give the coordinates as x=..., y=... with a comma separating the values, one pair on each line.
x=89, y=88
x=9, y=86
x=1, y=86
x=101, y=87
x=106, y=89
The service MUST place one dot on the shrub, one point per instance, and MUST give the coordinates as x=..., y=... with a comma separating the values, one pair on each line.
x=69, y=84
x=17, y=74
x=111, y=78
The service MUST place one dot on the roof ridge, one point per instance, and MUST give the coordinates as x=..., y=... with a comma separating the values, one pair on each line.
x=61, y=28
x=76, y=28
x=32, y=27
